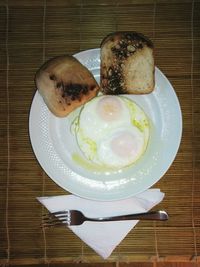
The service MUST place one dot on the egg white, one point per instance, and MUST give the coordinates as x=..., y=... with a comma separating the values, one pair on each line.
x=95, y=132
x=92, y=126
x=131, y=148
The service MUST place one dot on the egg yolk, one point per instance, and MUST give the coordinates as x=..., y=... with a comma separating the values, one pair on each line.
x=109, y=108
x=125, y=145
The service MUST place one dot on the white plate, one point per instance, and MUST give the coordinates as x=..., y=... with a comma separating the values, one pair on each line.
x=54, y=144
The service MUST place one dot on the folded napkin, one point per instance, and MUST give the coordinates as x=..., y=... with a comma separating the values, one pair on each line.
x=103, y=237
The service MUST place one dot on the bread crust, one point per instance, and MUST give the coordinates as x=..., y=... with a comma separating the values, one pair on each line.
x=65, y=84
x=127, y=64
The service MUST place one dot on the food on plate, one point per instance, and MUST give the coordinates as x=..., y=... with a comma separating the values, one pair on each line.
x=65, y=84
x=127, y=67
x=112, y=131
x=127, y=64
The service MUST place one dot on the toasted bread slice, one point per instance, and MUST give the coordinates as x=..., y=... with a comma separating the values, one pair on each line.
x=127, y=64
x=65, y=84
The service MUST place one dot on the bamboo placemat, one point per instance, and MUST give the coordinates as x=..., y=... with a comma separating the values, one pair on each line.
x=34, y=31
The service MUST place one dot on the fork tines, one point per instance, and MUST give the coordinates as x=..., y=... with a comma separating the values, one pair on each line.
x=59, y=218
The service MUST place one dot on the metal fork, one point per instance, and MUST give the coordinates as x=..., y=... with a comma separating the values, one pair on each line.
x=75, y=217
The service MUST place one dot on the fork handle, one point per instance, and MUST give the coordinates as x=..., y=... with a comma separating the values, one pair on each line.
x=152, y=215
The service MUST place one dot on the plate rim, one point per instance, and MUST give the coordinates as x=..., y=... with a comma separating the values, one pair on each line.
x=113, y=198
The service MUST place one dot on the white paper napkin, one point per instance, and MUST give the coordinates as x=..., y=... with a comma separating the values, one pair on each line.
x=103, y=237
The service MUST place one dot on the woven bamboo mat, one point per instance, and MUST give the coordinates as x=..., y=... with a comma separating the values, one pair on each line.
x=32, y=32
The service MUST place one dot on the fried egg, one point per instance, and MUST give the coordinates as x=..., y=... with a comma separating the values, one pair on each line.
x=112, y=131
